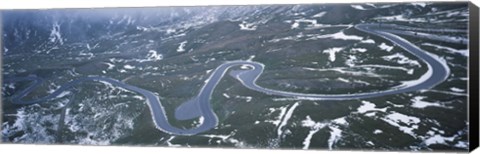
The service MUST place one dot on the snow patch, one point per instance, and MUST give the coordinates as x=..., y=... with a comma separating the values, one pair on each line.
x=462, y=144
x=200, y=120
x=358, y=7
x=335, y=135
x=340, y=121
x=368, y=106
x=401, y=59
x=438, y=139
x=246, y=98
x=343, y=80
x=419, y=103
x=226, y=95
x=154, y=55
x=110, y=66
x=63, y=94
x=403, y=122
x=341, y=36
x=251, y=58
x=409, y=71
x=351, y=60
x=385, y=47
x=359, y=49
x=331, y=52
x=401, y=17
x=169, y=142
x=319, y=15
x=369, y=41
x=344, y=70
x=244, y=67
x=361, y=82
x=463, y=52
x=181, y=47
x=295, y=25
x=312, y=24
x=55, y=34
x=278, y=119
x=454, y=89
x=247, y=26
x=314, y=128
x=419, y=4
x=128, y=66
x=286, y=118
x=377, y=131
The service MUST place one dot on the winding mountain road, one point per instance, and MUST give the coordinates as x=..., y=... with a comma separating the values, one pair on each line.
x=200, y=105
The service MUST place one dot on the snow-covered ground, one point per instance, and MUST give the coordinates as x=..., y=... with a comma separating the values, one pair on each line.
x=334, y=128
x=33, y=133
x=278, y=119
x=314, y=128
x=287, y=116
x=404, y=123
x=335, y=135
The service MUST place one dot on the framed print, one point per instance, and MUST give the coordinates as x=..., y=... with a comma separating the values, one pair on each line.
x=350, y=76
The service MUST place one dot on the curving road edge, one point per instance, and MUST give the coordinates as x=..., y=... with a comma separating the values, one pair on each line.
x=437, y=73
